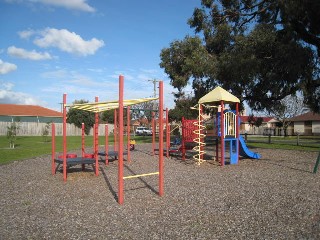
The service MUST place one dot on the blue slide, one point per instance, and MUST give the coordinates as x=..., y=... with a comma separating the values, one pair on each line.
x=245, y=152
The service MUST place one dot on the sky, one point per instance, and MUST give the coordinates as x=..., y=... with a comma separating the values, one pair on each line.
x=80, y=47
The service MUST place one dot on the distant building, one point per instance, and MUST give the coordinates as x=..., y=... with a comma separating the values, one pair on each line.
x=28, y=113
x=306, y=124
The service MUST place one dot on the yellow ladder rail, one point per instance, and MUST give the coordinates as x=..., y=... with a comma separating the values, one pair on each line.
x=141, y=175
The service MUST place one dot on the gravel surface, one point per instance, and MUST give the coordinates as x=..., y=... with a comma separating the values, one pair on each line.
x=277, y=197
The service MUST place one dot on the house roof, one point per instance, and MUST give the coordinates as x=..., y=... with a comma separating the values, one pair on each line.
x=245, y=119
x=309, y=116
x=27, y=110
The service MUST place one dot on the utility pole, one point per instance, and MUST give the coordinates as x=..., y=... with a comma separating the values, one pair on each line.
x=154, y=87
x=155, y=81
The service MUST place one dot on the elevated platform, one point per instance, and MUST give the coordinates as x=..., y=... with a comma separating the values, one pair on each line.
x=111, y=153
x=75, y=161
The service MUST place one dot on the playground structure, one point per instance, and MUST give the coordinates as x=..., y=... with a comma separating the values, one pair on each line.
x=227, y=129
x=67, y=159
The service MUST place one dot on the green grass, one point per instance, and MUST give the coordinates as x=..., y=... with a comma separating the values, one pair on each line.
x=305, y=147
x=29, y=147
x=306, y=143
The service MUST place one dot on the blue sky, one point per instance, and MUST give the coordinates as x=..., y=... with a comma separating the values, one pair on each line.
x=79, y=47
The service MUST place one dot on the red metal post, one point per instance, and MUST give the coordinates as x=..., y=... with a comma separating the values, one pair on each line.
x=120, y=161
x=82, y=139
x=64, y=131
x=161, y=175
x=53, y=142
x=217, y=139
x=183, y=139
x=106, y=145
x=169, y=144
x=82, y=143
x=222, y=133
x=128, y=133
x=237, y=130
x=96, y=144
x=167, y=132
x=153, y=133
x=115, y=130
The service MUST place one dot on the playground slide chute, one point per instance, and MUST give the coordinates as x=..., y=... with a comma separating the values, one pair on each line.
x=245, y=152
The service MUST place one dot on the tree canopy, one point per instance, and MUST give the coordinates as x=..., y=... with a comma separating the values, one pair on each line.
x=182, y=109
x=261, y=50
x=77, y=117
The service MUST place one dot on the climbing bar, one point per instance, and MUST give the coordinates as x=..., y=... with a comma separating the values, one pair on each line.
x=141, y=175
x=174, y=128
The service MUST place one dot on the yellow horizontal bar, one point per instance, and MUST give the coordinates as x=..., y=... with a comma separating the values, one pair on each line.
x=141, y=175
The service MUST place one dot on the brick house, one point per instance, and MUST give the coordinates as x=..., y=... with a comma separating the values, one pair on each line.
x=31, y=118
x=28, y=113
x=306, y=124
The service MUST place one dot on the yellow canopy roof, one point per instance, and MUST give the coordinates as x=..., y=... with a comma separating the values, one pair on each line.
x=109, y=105
x=218, y=94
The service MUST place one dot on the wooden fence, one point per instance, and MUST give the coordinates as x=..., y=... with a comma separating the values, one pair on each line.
x=37, y=129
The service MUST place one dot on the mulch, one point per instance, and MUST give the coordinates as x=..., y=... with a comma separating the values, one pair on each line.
x=276, y=197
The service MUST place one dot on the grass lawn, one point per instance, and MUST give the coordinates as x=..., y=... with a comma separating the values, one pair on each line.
x=306, y=143
x=28, y=147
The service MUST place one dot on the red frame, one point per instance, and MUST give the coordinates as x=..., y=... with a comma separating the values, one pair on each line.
x=119, y=145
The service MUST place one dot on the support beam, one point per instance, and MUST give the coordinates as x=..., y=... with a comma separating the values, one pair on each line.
x=64, y=131
x=106, y=144
x=128, y=133
x=96, y=143
x=153, y=133
x=161, y=176
x=120, y=145
x=53, y=143
x=222, y=133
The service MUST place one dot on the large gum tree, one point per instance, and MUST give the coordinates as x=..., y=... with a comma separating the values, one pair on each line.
x=261, y=50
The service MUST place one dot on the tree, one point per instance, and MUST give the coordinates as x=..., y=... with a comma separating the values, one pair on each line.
x=255, y=122
x=183, y=109
x=108, y=116
x=12, y=131
x=262, y=50
x=77, y=117
x=45, y=132
x=289, y=107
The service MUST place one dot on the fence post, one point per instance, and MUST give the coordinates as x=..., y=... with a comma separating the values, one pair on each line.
x=315, y=169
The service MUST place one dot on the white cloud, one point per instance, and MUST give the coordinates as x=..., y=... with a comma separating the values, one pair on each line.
x=61, y=73
x=26, y=34
x=31, y=55
x=68, y=42
x=78, y=5
x=9, y=96
x=6, y=67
